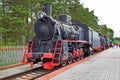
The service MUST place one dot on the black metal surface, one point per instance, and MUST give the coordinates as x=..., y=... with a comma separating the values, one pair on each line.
x=48, y=9
x=96, y=40
x=65, y=18
x=44, y=28
x=85, y=31
x=69, y=32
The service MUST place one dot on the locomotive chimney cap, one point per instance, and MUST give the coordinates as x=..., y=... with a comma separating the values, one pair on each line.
x=48, y=10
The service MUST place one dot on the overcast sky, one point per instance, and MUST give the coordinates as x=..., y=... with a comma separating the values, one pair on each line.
x=108, y=12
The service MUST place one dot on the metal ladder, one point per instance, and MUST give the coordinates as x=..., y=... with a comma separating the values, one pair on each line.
x=28, y=49
x=57, y=52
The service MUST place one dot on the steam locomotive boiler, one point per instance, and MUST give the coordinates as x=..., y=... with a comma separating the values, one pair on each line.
x=56, y=42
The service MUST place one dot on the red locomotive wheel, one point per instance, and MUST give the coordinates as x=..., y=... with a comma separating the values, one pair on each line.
x=82, y=57
x=64, y=63
x=70, y=61
x=78, y=58
x=74, y=60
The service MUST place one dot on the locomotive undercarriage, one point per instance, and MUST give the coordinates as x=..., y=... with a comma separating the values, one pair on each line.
x=71, y=51
x=65, y=51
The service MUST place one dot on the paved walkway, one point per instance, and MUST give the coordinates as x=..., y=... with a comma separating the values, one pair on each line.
x=101, y=66
x=105, y=66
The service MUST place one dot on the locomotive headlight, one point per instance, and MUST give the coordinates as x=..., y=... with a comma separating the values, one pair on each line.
x=40, y=14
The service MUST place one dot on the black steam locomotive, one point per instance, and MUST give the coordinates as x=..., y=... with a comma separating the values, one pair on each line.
x=58, y=42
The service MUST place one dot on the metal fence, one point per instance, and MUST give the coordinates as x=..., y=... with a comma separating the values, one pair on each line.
x=11, y=55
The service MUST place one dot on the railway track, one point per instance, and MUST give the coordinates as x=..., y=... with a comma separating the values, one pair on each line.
x=29, y=75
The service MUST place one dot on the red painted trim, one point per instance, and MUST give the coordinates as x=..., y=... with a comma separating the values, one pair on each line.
x=24, y=60
x=26, y=54
x=29, y=55
x=100, y=48
x=48, y=55
x=48, y=65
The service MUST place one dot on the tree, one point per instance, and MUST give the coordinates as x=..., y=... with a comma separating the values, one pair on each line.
x=17, y=18
x=107, y=31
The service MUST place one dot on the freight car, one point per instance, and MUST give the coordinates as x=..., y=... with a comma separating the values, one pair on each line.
x=58, y=42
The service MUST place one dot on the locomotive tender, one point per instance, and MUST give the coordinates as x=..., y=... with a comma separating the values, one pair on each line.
x=98, y=40
x=58, y=42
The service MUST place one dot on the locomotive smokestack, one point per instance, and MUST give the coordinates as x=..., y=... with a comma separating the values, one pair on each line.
x=48, y=9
